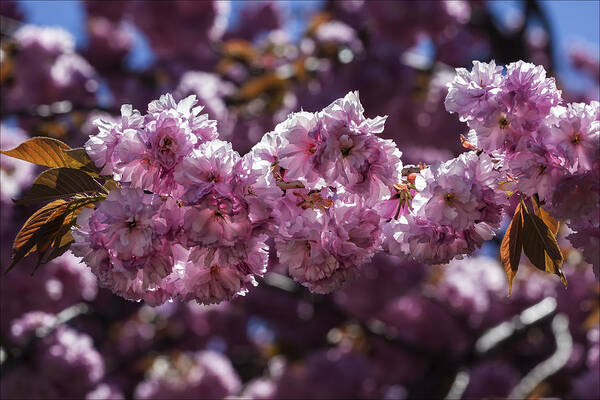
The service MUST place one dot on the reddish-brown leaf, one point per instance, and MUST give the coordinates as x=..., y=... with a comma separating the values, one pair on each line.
x=511, y=247
x=27, y=237
x=58, y=183
x=259, y=85
x=111, y=185
x=48, y=229
x=61, y=246
x=55, y=235
x=79, y=159
x=42, y=151
x=552, y=223
x=239, y=49
x=53, y=153
x=540, y=245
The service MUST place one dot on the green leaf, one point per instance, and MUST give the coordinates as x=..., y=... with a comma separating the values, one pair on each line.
x=59, y=183
x=512, y=245
x=42, y=151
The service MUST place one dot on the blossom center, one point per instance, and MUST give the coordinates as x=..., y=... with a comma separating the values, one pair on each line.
x=542, y=169
x=346, y=145
x=167, y=144
x=313, y=200
x=503, y=122
x=212, y=177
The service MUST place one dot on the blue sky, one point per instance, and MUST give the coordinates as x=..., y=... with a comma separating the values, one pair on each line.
x=572, y=21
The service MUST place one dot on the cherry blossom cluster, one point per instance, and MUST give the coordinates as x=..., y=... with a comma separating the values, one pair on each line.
x=458, y=207
x=203, y=374
x=545, y=147
x=185, y=224
x=335, y=173
x=60, y=351
x=192, y=217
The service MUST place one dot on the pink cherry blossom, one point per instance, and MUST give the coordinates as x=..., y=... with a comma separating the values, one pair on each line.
x=211, y=167
x=472, y=94
x=301, y=135
x=577, y=134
